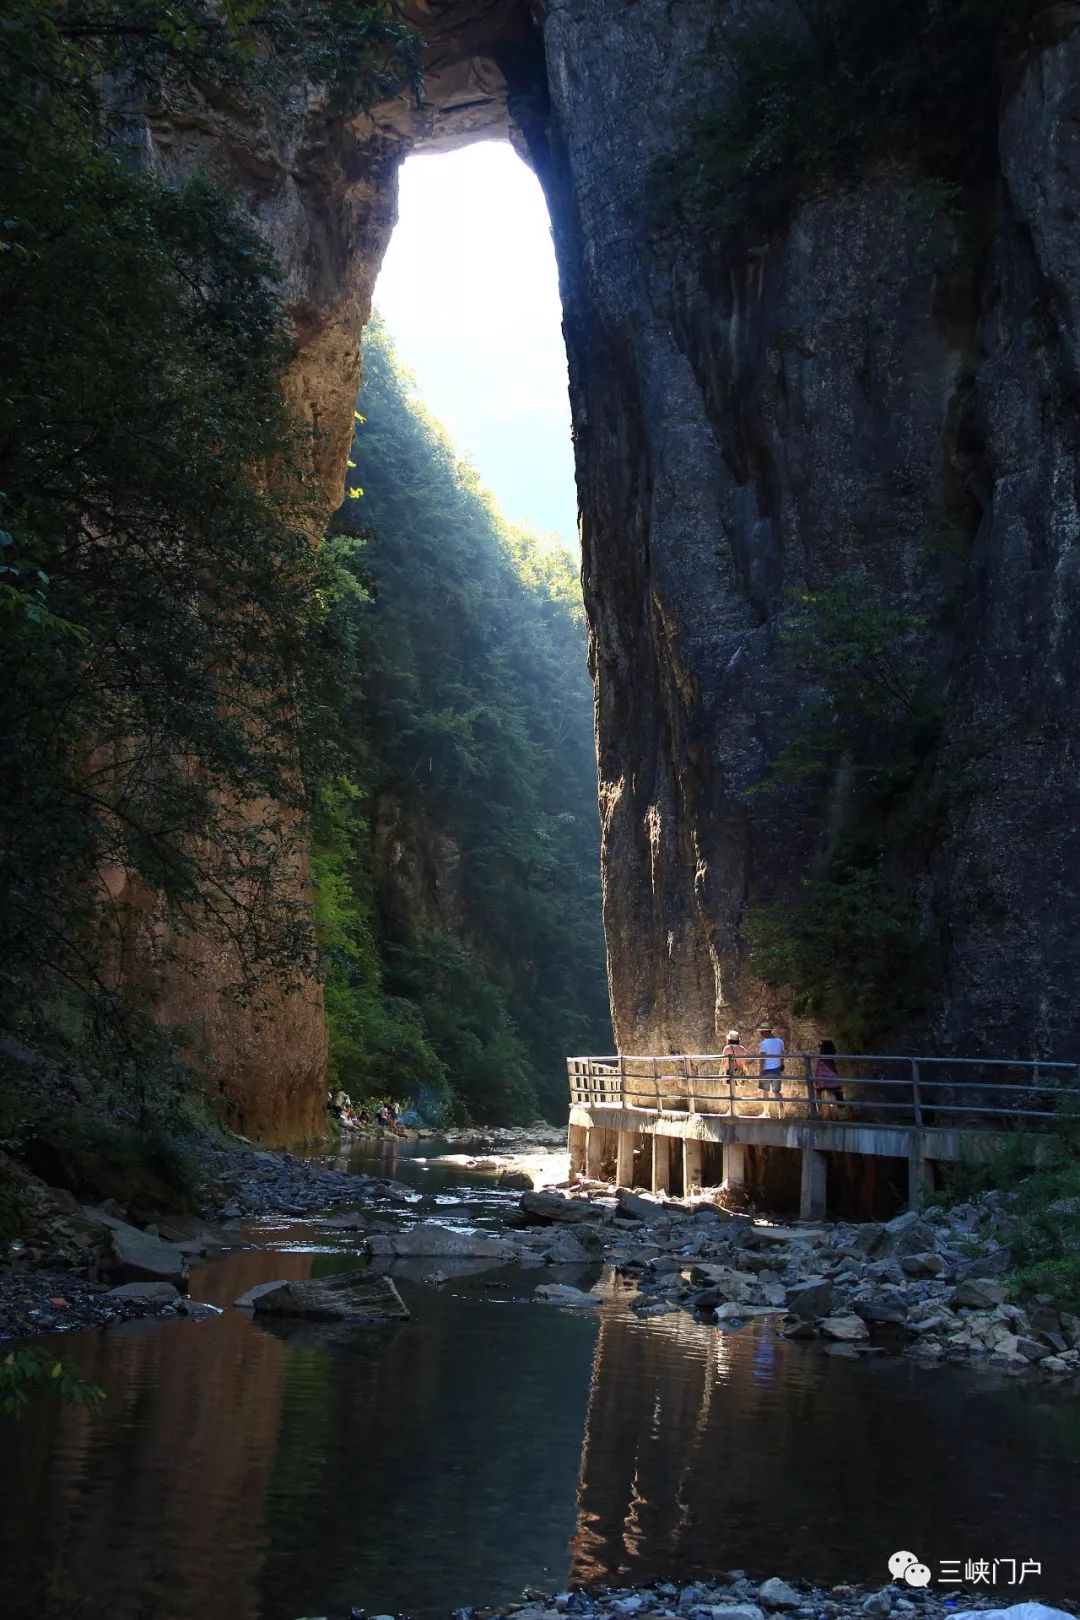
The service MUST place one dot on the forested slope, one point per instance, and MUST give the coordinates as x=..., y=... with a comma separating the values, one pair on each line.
x=455, y=833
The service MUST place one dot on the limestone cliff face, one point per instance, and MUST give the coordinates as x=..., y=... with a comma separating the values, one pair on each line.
x=322, y=189
x=750, y=424
x=746, y=424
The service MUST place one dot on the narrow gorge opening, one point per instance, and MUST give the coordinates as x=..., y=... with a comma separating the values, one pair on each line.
x=469, y=292
x=456, y=856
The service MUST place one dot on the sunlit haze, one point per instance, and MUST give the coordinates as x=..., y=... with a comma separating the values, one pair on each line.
x=469, y=292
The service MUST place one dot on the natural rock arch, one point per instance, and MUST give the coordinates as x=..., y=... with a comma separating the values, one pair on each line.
x=747, y=422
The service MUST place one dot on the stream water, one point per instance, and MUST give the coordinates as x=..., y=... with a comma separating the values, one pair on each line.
x=248, y=1470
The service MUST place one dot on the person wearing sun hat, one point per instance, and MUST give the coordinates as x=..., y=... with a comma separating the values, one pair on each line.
x=734, y=1054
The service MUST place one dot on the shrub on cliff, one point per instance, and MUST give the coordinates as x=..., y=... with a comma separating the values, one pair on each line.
x=816, y=93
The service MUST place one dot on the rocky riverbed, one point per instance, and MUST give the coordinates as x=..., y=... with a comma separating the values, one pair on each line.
x=735, y=1596
x=931, y=1285
x=84, y=1265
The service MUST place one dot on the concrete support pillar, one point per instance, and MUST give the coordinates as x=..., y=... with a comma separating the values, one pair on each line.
x=594, y=1151
x=661, y=1164
x=920, y=1179
x=691, y=1177
x=812, y=1190
x=624, y=1159
x=734, y=1166
x=575, y=1143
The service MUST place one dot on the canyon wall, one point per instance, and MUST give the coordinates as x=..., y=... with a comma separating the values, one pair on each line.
x=749, y=424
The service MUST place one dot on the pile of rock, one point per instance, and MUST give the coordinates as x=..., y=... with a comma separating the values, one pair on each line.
x=246, y=1182
x=932, y=1282
x=735, y=1596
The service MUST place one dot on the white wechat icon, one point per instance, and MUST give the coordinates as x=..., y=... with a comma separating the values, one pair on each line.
x=905, y=1566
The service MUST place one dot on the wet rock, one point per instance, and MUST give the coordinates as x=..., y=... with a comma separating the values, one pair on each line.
x=198, y=1310
x=162, y=1292
x=566, y=1251
x=353, y=1296
x=563, y=1294
x=799, y=1327
x=548, y=1207
x=633, y=1206
x=814, y=1297
x=736, y=1611
x=135, y=1256
x=880, y=1305
x=515, y=1181
x=246, y=1302
x=431, y=1240
x=845, y=1329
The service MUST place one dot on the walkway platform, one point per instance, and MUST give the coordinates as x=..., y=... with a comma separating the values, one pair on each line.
x=924, y=1110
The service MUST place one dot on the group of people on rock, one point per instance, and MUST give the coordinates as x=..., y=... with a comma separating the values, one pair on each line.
x=364, y=1116
x=770, y=1061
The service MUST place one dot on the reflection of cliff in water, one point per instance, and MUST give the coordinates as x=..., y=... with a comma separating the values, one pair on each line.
x=251, y=1472
x=705, y=1451
x=156, y=1509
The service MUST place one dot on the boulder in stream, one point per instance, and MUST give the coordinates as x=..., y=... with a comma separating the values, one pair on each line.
x=352, y=1296
x=563, y=1294
x=159, y=1292
x=428, y=1239
x=547, y=1207
x=134, y=1256
x=845, y=1329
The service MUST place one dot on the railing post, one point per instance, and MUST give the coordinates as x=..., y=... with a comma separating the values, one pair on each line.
x=916, y=1099
x=622, y=1080
x=811, y=1095
x=690, y=1109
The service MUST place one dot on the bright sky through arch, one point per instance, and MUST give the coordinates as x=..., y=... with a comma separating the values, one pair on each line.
x=470, y=294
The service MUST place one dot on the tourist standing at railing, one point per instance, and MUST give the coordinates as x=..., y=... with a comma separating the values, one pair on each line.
x=734, y=1055
x=771, y=1048
x=826, y=1078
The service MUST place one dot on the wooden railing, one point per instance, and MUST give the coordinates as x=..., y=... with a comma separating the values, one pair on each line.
x=875, y=1088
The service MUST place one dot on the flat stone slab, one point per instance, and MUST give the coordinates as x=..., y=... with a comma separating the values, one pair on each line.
x=353, y=1296
x=139, y=1256
x=145, y=1290
x=441, y=1242
x=548, y=1207
x=563, y=1294
x=246, y=1302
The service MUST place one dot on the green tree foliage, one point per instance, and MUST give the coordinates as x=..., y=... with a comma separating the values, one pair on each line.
x=855, y=948
x=156, y=573
x=465, y=724
x=827, y=88
x=28, y=1367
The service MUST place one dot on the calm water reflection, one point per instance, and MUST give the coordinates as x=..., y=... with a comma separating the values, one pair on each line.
x=242, y=1473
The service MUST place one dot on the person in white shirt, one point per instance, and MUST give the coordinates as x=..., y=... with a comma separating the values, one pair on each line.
x=772, y=1049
